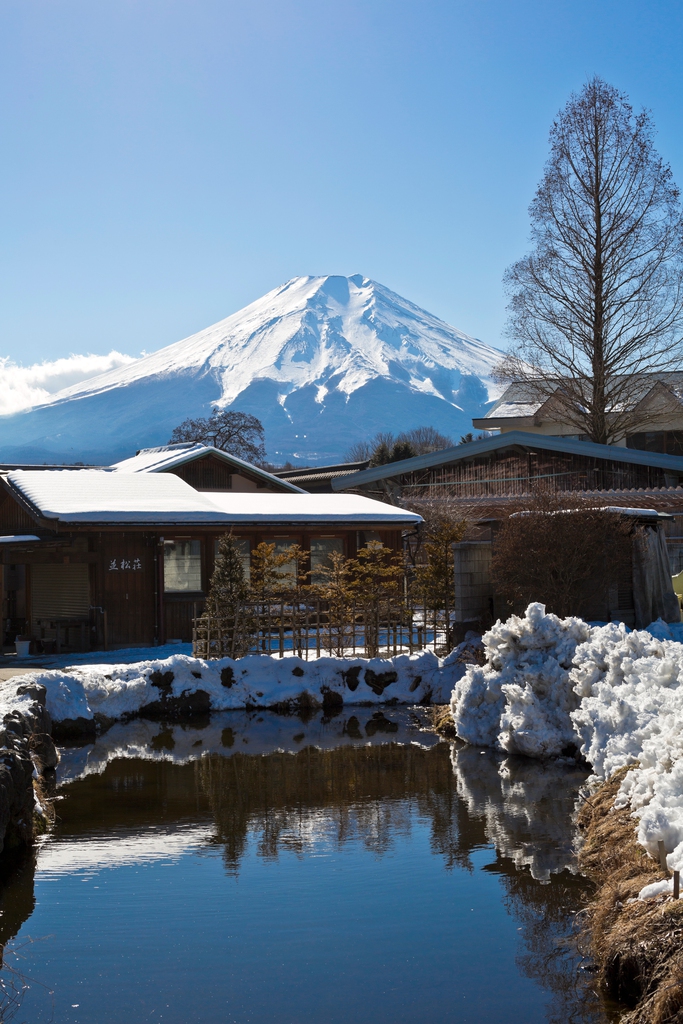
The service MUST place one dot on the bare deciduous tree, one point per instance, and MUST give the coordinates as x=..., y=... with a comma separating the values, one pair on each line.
x=235, y=432
x=598, y=303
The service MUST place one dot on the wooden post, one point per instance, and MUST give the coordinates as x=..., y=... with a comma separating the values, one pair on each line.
x=677, y=884
x=662, y=855
x=282, y=629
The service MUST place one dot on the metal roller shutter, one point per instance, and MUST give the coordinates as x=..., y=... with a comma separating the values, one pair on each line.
x=58, y=592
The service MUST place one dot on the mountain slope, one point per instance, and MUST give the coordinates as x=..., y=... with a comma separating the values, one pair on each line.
x=322, y=362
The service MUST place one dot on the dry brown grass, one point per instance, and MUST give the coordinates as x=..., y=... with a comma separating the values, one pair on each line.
x=442, y=721
x=639, y=946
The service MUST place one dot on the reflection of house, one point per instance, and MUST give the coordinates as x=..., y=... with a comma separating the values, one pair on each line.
x=656, y=409
x=486, y=480
x=125, y=557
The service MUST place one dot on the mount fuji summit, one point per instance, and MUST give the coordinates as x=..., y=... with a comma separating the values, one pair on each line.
x=321, y=361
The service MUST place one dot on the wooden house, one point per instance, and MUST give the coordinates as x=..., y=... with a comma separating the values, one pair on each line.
x=116, y=557
x=487, y=480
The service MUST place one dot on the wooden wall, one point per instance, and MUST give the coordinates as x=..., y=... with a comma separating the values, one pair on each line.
x=212, y=474
x=127, y=571
x=13, y=519
x=517, y=472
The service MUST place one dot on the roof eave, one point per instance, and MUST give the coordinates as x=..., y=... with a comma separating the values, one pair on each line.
x=499, y=422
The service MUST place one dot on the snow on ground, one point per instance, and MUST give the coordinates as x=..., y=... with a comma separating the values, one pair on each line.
x=10, y=700
x=119, y=691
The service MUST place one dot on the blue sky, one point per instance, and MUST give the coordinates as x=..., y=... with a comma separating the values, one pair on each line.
x=167, y=161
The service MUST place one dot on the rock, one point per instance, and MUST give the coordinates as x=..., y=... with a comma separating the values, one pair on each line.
x=189, y=704
x=35, y=690
x=351, y=677
x=377, y=681
x=42, y=746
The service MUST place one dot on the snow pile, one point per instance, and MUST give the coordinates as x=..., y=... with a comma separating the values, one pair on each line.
x=520, y=700
x=122, y=691
x=631, y=712
x=10, y=700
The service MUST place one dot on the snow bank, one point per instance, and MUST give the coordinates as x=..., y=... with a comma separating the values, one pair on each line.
x=551, y=684
x=123, y=690
x=520, y=700
x=631, y=712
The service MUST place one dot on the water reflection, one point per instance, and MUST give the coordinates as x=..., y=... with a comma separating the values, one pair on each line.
x=263, y=786
x=371, y=794
x=246, y=732
x=527, y=806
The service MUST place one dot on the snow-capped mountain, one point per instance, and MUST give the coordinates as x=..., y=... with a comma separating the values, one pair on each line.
x=321, y=361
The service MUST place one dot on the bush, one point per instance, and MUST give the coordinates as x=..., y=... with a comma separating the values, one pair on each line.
x=566, y=558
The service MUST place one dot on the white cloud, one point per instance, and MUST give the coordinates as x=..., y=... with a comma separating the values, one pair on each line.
x=22, y=387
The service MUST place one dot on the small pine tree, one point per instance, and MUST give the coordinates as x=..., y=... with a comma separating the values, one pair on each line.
x=228, y=587
x=228, y=592
x=335, y=586
x=435, y=580
x=378, y=574
x=381, y=455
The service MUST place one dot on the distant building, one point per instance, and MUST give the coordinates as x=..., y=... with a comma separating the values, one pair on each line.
x=657, y=408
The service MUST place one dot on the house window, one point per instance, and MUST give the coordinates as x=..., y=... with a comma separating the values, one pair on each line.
x=182, y=566
x=281, y=546
x=365, y=537
x=321, y=549
x=244, y=550
x=669, y=442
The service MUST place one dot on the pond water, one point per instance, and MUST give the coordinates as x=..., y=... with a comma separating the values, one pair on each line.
x=256, y=868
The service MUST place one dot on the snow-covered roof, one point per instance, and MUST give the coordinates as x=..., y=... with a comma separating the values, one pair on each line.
x=526, y=399
x=91, y=496
x=308, y=508
x=166, y=457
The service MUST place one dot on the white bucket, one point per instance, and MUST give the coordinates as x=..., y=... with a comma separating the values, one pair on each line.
x=22, y=648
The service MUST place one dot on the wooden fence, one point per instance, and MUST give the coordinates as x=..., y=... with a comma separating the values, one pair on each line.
x=311, y=628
